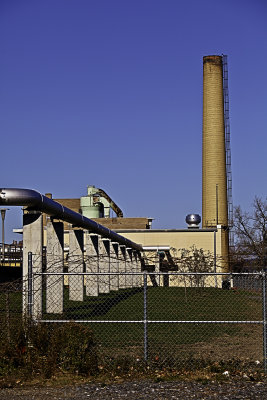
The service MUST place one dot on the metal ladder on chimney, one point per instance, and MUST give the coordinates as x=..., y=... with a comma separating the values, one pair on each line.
x=228, y=149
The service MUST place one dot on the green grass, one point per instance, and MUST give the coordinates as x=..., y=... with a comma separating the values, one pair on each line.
x=203, y=304
x=163, y=303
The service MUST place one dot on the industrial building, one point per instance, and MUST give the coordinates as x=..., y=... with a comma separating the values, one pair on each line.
x=216, y=183
x=213, y=236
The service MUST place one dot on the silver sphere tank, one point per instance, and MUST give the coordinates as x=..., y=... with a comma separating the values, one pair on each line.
x=193, y=219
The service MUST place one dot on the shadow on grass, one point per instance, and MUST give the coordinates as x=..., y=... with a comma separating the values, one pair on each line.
x=104, y=307
x=93, y=307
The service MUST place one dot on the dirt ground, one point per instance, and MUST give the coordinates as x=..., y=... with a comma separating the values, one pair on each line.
x=246, y=346
x=143, y=390
x=249, y=383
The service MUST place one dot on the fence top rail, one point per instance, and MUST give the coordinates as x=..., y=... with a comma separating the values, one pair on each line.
x=230, y=274
x=142, y=321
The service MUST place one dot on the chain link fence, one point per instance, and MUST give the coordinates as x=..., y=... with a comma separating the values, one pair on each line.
x=168, y=319
x=10, y=309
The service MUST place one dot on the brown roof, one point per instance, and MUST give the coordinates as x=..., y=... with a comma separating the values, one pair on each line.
x=110, y=223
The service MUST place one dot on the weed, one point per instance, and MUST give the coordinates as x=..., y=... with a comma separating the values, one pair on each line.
x=43, y=350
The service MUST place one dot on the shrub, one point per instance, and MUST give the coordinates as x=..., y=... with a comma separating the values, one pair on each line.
x=44, y=349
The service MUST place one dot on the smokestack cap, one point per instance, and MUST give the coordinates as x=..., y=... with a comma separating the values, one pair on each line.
x=193, y=220
x=217, y=60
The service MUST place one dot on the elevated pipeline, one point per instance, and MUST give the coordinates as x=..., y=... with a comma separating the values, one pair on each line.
x=35, y=201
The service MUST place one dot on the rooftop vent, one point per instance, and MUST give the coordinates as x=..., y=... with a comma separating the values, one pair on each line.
x=193, y=221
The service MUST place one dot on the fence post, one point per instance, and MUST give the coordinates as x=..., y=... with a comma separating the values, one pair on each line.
x=30, y=284
x=264, y=320
x=145, y=317
x=8, y=317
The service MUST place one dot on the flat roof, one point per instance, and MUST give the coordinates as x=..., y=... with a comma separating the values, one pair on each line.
x=166, y=230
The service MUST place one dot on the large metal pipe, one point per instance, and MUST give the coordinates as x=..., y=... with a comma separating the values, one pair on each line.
x=36, y=201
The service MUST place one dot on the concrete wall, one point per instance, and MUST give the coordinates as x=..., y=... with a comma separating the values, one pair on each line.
x=206, y=239
x=176, y=238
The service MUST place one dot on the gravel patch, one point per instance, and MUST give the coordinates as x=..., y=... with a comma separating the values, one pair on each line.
x=231, y=390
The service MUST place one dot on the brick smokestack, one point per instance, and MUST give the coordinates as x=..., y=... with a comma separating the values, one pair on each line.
x=214, y=182
x=214, y=186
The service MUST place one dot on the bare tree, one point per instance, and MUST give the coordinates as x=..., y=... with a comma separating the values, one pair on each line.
x=192, y=260
x=250, y=230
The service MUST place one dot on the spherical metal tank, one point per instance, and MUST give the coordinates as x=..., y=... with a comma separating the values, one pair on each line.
x=193, y=219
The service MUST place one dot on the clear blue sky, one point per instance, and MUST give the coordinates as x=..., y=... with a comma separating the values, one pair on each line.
x=109, y=93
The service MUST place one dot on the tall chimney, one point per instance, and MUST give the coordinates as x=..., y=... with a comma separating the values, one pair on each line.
x=214, y=186
x=214, y=181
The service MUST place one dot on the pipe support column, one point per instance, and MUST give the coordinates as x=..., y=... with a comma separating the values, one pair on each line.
x=91, y=264
x=55, y=263
x=129, y=268
x=104, y=267
x=76, y=264
x=114, y=265
x=33, y=242
x=122, y=266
